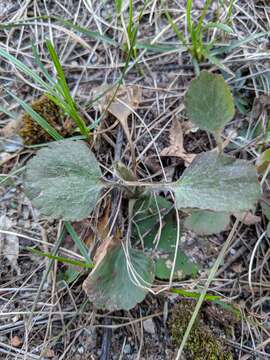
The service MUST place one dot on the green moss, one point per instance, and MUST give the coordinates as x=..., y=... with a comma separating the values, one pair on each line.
x=32, y=133
x=202, y=343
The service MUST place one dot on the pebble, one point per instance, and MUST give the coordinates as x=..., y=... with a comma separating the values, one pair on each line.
x=149, y=326
x=127, y=349
x=80, y=350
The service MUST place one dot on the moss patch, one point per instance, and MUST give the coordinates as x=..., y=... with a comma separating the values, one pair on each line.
x=202, y=342
x=32, y=133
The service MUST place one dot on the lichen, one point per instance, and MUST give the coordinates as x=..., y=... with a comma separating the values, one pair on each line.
x=32, y=133
x=202, y=342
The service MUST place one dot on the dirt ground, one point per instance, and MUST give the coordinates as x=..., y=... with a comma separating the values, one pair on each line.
x=42, y=315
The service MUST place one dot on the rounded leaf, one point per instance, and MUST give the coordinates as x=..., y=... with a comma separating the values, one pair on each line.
x=209, y=102
x=146, y=229
x=112, y=285
x=205, y=222
x=63, y=180
x=219, y=183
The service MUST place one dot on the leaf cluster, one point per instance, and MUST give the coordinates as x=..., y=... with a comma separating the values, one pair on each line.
x=64, y=181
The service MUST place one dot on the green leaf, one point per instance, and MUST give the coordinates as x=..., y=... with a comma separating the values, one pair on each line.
x=66, y=24
x=24, y=69
x=160, y=48
x=214, y=60
x=238, y=43
x=112, y=284
x=217, y=182
x=63, y=180
x=265, y=210
x=77, y=240
x=70, y=275
x=147, y=211
x=209, y=102
x=219, y=26
x=146, y=229
x=61, y=259
x=263, y=161
x=69, y=104
x=194, y=295
x=205, y=222
x=118, y=6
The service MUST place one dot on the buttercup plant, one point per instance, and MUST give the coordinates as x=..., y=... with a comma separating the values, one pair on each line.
x=64, y=181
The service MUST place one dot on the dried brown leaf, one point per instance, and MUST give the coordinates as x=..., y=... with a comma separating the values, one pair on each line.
x=188, y=127
x=102, y=229
x=176, y=147
x=125, y=100
x=121, y=106
x=248, y=218
x=16, y=341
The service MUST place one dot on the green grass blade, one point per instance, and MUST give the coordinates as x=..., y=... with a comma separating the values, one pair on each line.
x=92, y=34
x=189, y=19
x=237, y=43
x=118, y=6
x=194, y=295
x=175, y=28
x=223, y=27
x=22, y=67
x=67, y=23
x=230, y=12
x=60, y=73
x=81, y=246
x=159, y=48
x=213, y=298
x=8, y=113
x=130, y=19
x=42, y=67
x=203, y=14
x=61, y=259
x=215, y=61
x=10, y=175
x=69, y=106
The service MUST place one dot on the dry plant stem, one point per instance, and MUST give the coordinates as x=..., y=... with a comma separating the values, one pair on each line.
x=205, y=289
x=252, y=259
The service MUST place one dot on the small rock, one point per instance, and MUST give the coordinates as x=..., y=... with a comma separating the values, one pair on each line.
x=149, y=326
x=16, y=341
x=80, y=350
x=127, y=349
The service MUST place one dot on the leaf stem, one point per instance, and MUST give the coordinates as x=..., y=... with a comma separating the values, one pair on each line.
x=219, y=141
x=161, y=186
